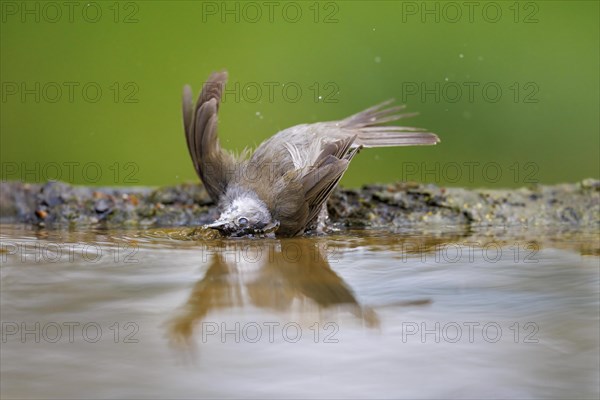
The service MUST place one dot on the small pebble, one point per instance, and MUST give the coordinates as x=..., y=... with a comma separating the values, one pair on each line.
x=101, y=206
x=41, y=214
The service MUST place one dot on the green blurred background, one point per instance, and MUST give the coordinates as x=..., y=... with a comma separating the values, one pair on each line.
x=543, y=56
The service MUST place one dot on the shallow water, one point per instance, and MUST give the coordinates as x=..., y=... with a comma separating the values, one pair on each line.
x=173, y=314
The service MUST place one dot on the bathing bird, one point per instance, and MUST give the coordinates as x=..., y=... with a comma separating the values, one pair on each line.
x=282, y=187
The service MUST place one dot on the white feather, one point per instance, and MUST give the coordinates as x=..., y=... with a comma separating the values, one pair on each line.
x=306, y=157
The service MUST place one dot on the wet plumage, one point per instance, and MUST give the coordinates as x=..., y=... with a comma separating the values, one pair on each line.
x=285, y=183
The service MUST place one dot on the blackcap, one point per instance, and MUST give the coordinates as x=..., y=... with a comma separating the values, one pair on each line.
x=282, y=187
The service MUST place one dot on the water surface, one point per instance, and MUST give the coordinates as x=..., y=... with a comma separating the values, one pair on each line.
x=360, y=314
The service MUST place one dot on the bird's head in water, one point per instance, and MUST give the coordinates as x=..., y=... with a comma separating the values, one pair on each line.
x=245, y=215
x=305, y=163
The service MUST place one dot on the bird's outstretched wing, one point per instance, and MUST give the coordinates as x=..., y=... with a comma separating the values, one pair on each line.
x=213, y=164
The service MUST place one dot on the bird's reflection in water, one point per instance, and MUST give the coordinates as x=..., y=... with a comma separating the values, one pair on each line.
x=282, y=276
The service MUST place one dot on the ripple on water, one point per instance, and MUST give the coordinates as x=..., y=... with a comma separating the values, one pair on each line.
x=380, y=314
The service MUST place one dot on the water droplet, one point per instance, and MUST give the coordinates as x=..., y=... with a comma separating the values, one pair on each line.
x=461, y=55
x=377, y=59
x=446, y=79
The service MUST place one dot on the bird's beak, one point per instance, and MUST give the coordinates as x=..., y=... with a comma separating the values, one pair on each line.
x=219, y=225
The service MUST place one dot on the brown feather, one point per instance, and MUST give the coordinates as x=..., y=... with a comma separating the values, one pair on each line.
x=295, y=171
x=367, y=125
x=212, y=164
x=324, y=176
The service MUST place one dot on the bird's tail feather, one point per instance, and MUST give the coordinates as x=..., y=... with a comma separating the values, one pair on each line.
x=374, y=137
x=367, y=125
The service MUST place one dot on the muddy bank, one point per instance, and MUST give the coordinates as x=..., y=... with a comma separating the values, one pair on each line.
x=397, y=206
